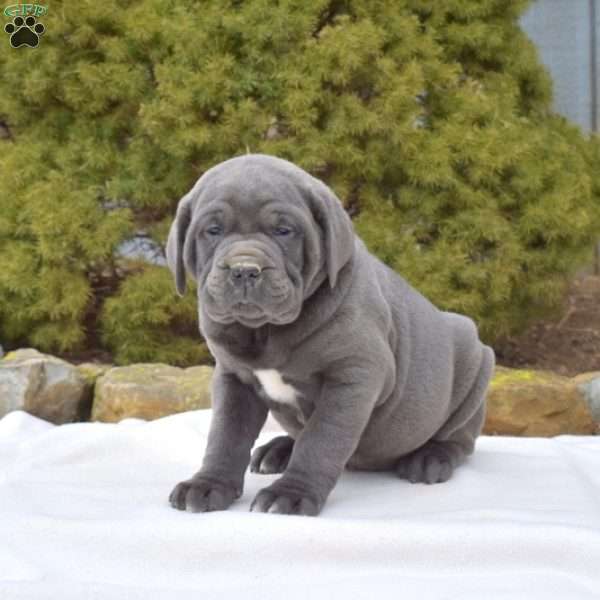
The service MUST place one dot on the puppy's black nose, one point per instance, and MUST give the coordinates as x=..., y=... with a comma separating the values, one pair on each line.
x=242, y=274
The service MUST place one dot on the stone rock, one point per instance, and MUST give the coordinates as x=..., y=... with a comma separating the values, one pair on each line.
x=91, y=371
x=115, y=204
x=150, y=391
x=589, y=385
x=43, y=385
x=536, y=403
x=143, y=248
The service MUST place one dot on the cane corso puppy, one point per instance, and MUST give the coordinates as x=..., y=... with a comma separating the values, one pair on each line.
x=359, y=369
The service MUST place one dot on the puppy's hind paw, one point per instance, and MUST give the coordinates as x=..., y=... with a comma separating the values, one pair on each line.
x=434, y=462
x=273, y=457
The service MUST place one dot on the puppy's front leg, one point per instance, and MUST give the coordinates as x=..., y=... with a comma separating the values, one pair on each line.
x=322, y=449
x=238, y=416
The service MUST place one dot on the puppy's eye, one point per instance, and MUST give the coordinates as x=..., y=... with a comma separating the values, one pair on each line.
x=282, y=230
x=214, y=230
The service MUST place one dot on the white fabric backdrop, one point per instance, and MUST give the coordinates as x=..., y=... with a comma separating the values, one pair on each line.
x=84, y=515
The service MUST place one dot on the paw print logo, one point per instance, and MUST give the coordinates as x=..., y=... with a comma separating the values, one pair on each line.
x=24, y=32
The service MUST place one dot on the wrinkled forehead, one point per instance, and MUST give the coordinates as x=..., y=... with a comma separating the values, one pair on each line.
x=247, y=187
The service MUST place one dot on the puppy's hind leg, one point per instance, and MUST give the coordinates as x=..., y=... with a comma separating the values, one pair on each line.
x=435, y=461
x=273, y=457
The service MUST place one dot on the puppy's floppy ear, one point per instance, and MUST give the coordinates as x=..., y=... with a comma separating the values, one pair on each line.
x=176, y=241
x=337, y=228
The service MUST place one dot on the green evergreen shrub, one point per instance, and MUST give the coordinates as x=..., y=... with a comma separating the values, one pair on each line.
x=144, y=322
x=429, y=119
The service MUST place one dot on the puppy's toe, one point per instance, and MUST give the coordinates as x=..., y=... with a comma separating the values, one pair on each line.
x=203, y=494
x=287, y=498
x=432, y=463
x=436, y=470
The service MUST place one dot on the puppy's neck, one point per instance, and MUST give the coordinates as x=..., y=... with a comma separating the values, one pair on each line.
x=240, y=340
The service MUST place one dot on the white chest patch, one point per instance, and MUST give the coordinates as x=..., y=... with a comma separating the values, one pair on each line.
x=275, y=387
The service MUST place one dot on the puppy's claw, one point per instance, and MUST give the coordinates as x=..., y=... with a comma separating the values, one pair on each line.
x=262, y=502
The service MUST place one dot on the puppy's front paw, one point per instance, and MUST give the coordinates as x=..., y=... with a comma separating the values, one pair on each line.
x=287, y=498
x=203, y=494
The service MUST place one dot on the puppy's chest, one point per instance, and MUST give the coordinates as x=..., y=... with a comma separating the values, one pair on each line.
x=284, y=394
x=286, y=382
x=273, y=385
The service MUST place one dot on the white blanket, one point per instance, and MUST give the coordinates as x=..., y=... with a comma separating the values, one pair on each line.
x=84, y=515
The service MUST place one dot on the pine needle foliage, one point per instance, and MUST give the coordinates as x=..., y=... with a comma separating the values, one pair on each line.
x=429, y=119
x=144, y=322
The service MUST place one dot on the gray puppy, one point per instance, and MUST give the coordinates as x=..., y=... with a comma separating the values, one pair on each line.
x=359, y=368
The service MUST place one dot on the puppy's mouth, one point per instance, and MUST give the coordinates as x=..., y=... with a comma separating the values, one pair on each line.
x=250, y=314
x=244, y=313
x=247, y=308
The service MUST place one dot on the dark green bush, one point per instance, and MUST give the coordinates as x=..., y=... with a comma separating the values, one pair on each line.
x=429, y=119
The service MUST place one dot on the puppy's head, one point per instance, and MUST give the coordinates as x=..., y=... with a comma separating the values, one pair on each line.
x=259, y=235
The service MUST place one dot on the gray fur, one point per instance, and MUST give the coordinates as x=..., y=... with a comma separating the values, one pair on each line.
x=384, y=380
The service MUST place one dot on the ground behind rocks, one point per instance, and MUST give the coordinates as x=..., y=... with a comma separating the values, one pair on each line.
x=568, y=344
